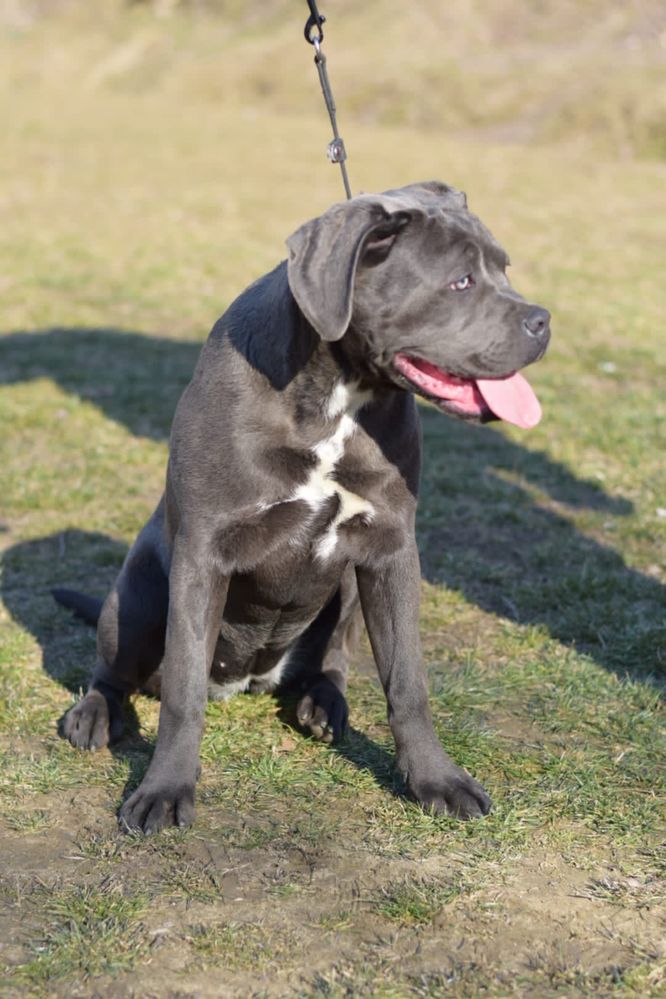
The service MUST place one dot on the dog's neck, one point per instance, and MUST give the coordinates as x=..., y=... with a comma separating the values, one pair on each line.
x=297, y=362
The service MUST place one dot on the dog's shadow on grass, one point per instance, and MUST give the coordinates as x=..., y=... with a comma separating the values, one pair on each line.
x=365, y=754
x=68, y=646
x=495, y=524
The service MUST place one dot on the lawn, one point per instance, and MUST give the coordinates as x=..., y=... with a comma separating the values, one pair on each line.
x=155, y=158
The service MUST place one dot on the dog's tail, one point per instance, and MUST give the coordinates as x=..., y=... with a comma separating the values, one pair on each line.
x=84, y=607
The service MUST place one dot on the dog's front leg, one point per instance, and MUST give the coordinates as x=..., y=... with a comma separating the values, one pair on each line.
x=197, y=594
x=390, y=596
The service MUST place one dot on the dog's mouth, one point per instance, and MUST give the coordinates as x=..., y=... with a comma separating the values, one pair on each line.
x=511, y=398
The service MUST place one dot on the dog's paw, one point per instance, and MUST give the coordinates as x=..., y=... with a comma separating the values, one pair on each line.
x=92, y=723
x=456, y=794
x=152, y=808
x=323, y=711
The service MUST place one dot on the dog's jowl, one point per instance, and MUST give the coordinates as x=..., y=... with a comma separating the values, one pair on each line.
x=291, y=489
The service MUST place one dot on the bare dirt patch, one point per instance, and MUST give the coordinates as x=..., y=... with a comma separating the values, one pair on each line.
x=280, y=916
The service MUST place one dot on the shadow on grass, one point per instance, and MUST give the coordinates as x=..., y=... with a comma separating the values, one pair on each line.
x=132, y=378
x=494, y=523
x=355, y=747
x=90, y=561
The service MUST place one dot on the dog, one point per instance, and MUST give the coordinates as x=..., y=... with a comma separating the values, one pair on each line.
x=292, y=484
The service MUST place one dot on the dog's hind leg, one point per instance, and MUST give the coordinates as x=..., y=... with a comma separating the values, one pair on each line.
x=130, y=643
x=326, y=649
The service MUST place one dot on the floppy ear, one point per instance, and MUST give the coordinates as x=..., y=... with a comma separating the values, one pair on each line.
x=421, y=193
x=324, y=255
x=450, y=197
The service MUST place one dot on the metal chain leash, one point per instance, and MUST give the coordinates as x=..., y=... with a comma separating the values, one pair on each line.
x=314, y=34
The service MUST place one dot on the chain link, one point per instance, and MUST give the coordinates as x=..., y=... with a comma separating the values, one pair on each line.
x=314, y=34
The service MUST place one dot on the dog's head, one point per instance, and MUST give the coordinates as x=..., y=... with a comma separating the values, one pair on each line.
x=419, y=281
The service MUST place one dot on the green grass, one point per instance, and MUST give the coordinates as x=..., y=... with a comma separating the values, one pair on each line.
x=89, y=932
x=237, y=946
x=152, y=167
x=414, y=903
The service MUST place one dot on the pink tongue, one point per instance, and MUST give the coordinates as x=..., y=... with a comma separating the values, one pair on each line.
x=511, y=399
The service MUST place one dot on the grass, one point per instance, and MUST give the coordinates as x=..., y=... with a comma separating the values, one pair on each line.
x=89, y=932
x=414, y=903
x=152, y=167
x=237, y=946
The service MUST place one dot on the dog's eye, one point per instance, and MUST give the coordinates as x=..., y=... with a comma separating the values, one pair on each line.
x=463, y=283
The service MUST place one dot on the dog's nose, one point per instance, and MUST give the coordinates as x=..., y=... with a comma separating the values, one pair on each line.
x=537, y=322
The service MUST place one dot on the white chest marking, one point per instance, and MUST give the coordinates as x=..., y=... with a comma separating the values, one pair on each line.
x=344, y=401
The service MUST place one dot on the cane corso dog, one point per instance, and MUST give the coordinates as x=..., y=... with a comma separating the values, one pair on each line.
x=291, y=489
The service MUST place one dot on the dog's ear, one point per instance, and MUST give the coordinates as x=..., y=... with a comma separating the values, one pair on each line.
x=431, y=195
x=449, y=196
x=324, y=255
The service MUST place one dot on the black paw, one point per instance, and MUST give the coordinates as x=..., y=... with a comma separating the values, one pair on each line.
x=151, y=808
x=456, y=794
x=323, y=711
x=93, y=723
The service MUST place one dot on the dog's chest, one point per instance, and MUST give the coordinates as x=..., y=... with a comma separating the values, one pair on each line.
x=325, y=480
x=345, y=504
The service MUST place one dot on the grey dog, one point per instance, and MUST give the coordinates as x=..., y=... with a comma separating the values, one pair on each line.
x=291, y=489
